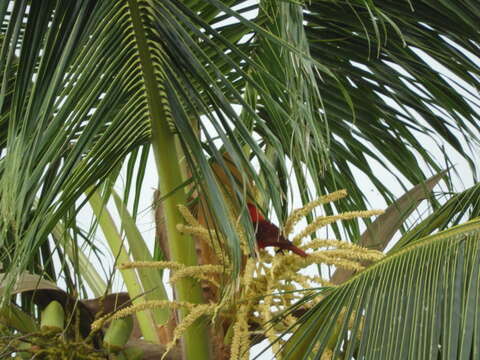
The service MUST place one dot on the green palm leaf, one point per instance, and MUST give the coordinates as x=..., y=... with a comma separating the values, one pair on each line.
x=94, y=81
x=419, y=303
x=84, y=84
x=324, y=88
x=457, y=208
x=385, y=54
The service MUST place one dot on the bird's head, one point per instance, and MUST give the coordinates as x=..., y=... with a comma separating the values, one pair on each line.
x=254, y=213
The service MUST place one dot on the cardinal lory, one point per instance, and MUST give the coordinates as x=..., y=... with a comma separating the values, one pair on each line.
x=267, y=234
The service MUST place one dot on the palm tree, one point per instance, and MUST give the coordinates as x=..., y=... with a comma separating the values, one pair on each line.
x=235, y=99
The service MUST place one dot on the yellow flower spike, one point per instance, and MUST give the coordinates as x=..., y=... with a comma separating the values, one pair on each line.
x=298, y=214
x=132, y=309
x=328, y=243
x=268, y=283
x=292, y=262
x=327, y=354
x=290, y=320
x=322, y=221
x=187, y=215
x=172, y=265
x=205, y=235
x=276, y=269
x=241, y=235
x=342, y=245
x=287, y=296
x=296, y=262
x=266, y=313
x=196, y=312
x=199, y=231
x=205, y=271
x=199, y=277
x=240, y=341
x=306, y=281
x=369, y=255
x=250, y=268
x=321, y=257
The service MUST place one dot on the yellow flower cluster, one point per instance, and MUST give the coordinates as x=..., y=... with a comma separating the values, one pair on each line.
x=202, y=272
x=240, y=340
x=196, y=229
x=195, y=312
x=268, y=285
x=322, y=221
x=142, y=306
x=172, y=265
x=299, y=214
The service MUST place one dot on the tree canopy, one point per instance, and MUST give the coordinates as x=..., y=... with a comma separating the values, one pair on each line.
x=271, y=102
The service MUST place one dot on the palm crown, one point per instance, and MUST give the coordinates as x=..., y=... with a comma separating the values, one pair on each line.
x=306, y=98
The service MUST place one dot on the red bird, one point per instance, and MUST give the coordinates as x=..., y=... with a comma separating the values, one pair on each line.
x=267, y=234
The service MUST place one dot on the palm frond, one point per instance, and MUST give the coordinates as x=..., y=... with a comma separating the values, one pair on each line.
x=411, y=71
x=76, y=100
x=381, y=232
x=459, y=207
x=418, y=303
